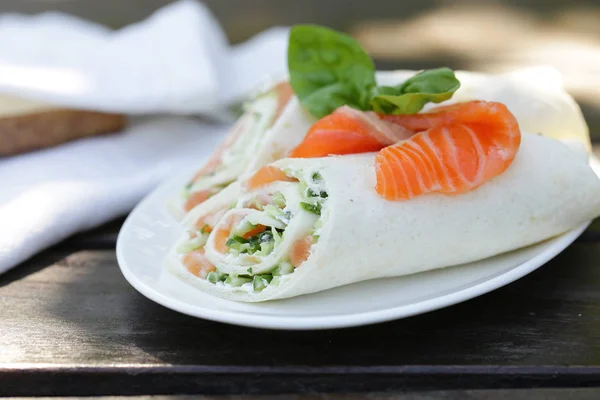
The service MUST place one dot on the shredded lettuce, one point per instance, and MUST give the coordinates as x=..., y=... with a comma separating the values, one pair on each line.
x=192, y=244
x=244, y=228
x=283, y=268
x=277, y=237
x=254, y=202
x=279, y=199
x=278, y=213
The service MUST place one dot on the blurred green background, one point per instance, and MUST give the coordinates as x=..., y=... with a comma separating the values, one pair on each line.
x=477, y=35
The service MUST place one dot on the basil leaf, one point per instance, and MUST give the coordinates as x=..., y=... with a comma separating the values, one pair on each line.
x=430, y=86
x=328, y=69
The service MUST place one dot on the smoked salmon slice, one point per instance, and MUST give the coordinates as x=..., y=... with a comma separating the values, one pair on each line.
x=224, y=231
x=284, y=93
x=458, y=148
x=301, y=250
x=349, y=131
x=197, y=263
x=266, y=175
x=195, y=199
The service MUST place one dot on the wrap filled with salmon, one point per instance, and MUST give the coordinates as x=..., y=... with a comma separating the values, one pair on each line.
x=303, y=225
x=535, y=96
x=274, y=122
x=270, y=120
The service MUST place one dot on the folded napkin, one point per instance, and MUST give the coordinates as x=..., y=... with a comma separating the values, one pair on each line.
x=175, y=62
x=48, y=195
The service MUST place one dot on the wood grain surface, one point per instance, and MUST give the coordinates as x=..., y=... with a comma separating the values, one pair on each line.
x=72, y=325
x=512, y=394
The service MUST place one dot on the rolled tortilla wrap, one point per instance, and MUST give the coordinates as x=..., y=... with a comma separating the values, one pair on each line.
x=250, y=143
x=547, y=190
x=534, y=95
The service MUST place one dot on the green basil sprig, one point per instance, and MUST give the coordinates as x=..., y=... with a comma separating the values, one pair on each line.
x=430, y=86
x=329, y=69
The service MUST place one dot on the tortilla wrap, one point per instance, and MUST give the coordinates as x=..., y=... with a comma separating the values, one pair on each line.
x=534, y=95
x=548, y=190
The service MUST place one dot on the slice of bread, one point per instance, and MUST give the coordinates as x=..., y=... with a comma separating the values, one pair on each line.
x=27, y=125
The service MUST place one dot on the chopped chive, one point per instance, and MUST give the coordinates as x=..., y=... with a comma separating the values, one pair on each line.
x=237, y=281
x=249, y=270
x=214, y=277
x=311, y=207
x=258, y=284
x=323, y=194
x=235, y=240
x=262, y=243
x=282, y=269
x=261, y=281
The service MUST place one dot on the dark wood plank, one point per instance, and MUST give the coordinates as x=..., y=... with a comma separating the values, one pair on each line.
x=513, y=394
x=71, y=324
x=82, y=300
x=103, y=237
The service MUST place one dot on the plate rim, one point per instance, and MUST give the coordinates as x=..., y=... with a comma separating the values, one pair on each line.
x=339, y=320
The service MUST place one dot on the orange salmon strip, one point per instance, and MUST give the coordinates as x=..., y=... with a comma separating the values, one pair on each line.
x=459, y=148
x=197, y=263
x=349, y=131
x=266, y=175
x=195, y=199
x=284, y=94
x=301, y=250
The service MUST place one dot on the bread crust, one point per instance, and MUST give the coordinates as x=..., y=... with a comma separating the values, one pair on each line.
x=48, y=128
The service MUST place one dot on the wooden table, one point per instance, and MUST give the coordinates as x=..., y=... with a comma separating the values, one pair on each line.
x=71, y=325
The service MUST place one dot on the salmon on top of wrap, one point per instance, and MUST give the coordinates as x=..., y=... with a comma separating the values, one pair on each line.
x=380, y=186
x=275, y=122
x=247, y=145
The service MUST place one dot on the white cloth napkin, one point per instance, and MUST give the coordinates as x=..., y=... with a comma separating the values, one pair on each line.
x=47, y=196
x=175, y=62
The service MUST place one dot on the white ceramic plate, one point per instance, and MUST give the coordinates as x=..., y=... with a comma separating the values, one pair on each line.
x=150, y=229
